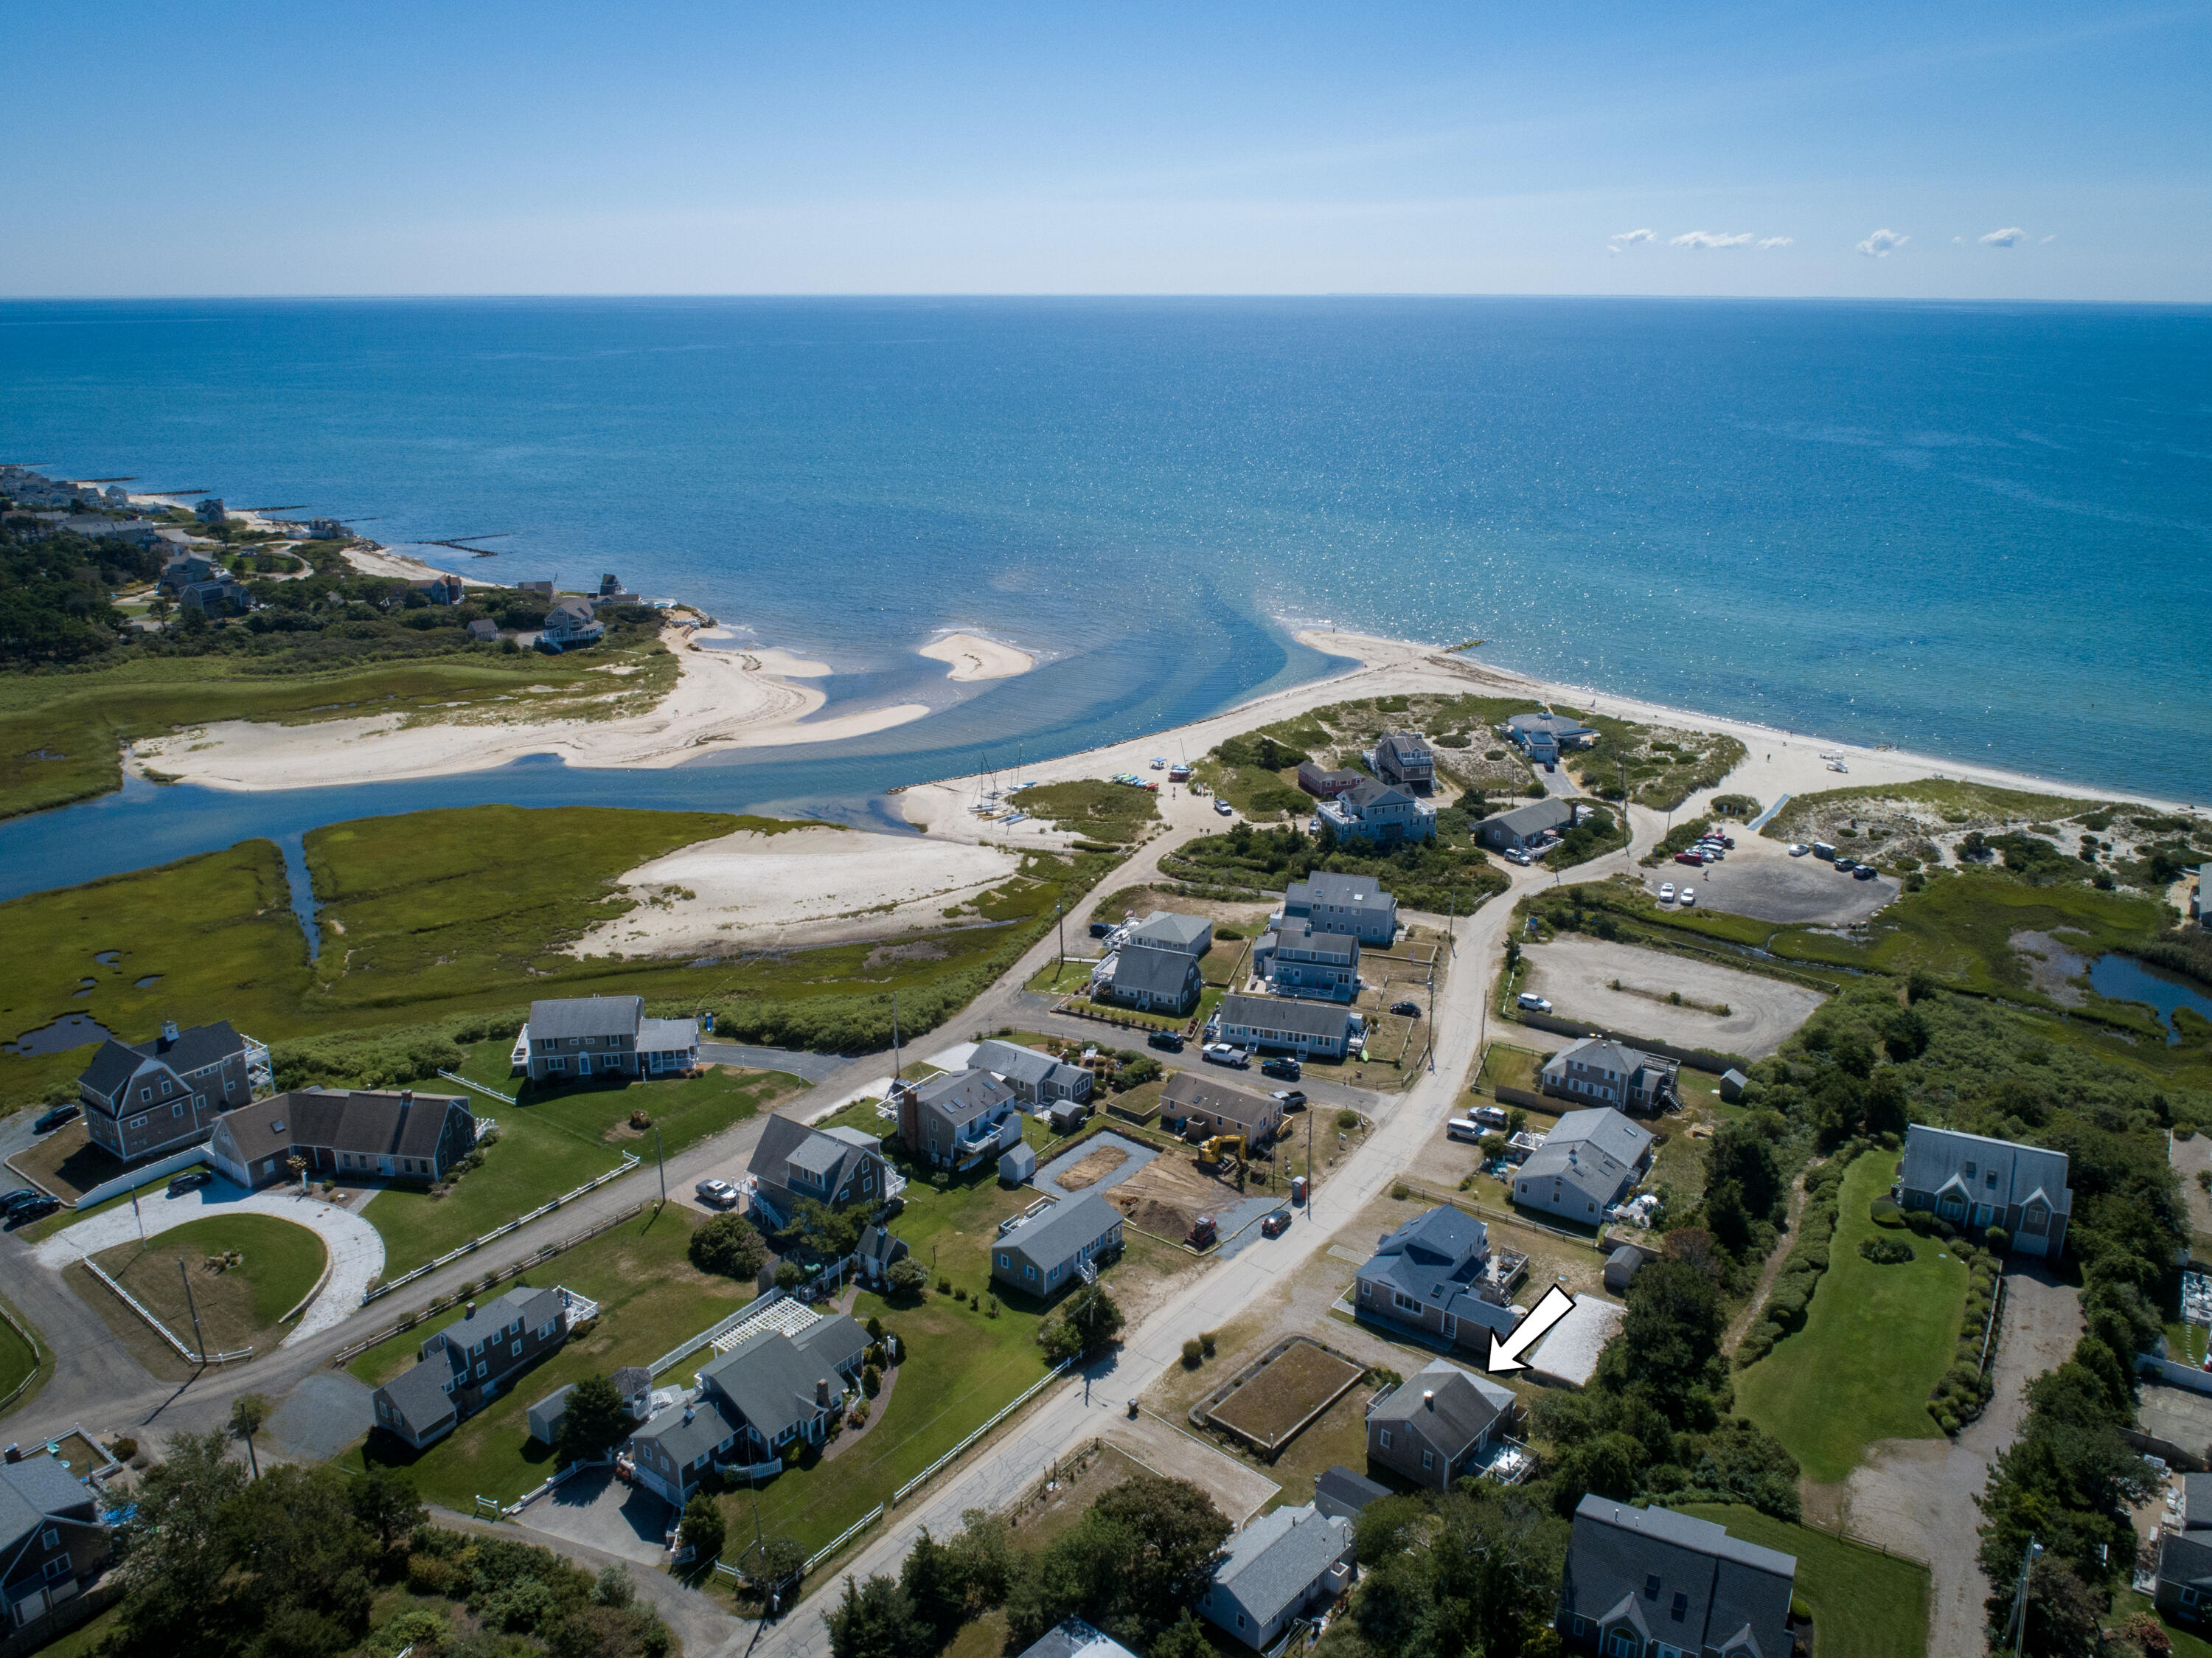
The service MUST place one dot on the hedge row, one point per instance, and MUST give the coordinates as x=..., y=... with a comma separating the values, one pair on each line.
x=1965, y=1390
x=384, y=1058
x=1808, y=1259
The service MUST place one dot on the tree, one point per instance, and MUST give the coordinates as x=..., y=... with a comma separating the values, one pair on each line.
x=169, y=1545
x=248, y=1412
x=729, y=1246
x=830, y=1232
x=1089, y=1322
x=1741, y=1154
x=596, y=1419
x=789, y=1275
x=290, y=1543
x=1887, y=1110
x=930, y=1579
x=385, y=1504
x=909, y=1279
x=1186, y=1637
x=874, y=1620
x=701, y=1529
x=985, y=1556
x=772, y=1562
x=1182, y=1532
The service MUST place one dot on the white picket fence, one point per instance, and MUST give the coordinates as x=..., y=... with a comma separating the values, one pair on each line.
x=967, y=1444
x=628, y=1163
x=161, y=1328
x=489, y=1094
x=842, y=1538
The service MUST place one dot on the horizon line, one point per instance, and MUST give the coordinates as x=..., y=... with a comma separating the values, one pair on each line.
x=1047, y=294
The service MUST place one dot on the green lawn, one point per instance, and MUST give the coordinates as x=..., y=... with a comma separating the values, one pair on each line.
x=17, y=1361
x=238, y=1306
x=2187, y=1643
x=1865, y=1604
x=685, y=1110
x=1094, y=807
x=650, y=1298
x=1875, y=1342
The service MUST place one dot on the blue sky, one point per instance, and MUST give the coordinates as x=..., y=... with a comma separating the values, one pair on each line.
x=1870, y=149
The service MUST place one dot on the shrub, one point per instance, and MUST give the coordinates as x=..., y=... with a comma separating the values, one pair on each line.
x=728, y=1246
x=1402, y=1191
x=1347, y=1119
x=1887, y=1211
x=1205, y=1342
x=123, y=1450
x=1885, y=1252
x=872, y=1380
x=908, y=1279
x=1998, y=1240
x=1193, y=1354
x=1800, y=1612
x=945, y=1286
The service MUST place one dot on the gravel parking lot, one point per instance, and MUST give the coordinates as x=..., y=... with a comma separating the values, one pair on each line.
x=1577, y=974
x=1759, y=879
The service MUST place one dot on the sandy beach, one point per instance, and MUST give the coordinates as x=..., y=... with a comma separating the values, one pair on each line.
x=973, y=657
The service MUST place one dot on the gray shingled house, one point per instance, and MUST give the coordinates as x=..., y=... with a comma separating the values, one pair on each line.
x=1277, y=1570
x=1975, y=1183
x=1510, y=832
x=1404, y=758
x=956, y=1121
x=1382, y=812
x=1042, y=1255
x=166, y=1094
x=1432, y=1274
x=52, y=1539
x=1196, y=1101
x=1035, y=1076
x=606, y=1035
x=1587, y=1163
x=1147, y=978
x=1603, y=1072
x=1645, y=1580
x=840, y=1167
x=356, y=1134
x=1438, y=1423
x=471, y=1361
x=1282, y=1024
x=1167, y=929
x=1344, y=903
x=1298, y=958
x=2184, y=1591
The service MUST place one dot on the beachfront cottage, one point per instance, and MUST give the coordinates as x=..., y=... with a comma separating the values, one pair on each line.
x=441, y=588
x=1280, y=1568
x=842, y=1168
x=344, y=1134
x=1164, y=929
x=1297, y=958
x=485, y=631
x=1604, y=1072
x=210, y=511
x=1194, y=1102
x=1379, y=812
x=1036, y=1077
x=1439, y=1423
x=1544, y=737
x=1525, y=827
x=53, y=1541
x=1270, y=1024
x=166, y=1094
x=1433, y=1275
x=771, y=1390
x=184, y=569
x=1323, y=783
x=1588, y=1162
x=606, y=1035
x=1148, y=979
x=1641, y=1581
x=956, y=1121
x=464, y=1365
x=1343, y=904
x=570, y=624
x=1404, y=758
x=1042, y=1255
x=1976, y=1183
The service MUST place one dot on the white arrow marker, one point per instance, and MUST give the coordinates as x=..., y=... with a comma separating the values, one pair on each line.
x=1505, y=1355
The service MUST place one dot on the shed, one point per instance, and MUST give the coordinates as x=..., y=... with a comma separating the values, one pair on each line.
x=1732, y=1085
x=1018, y=1164
x=1622, y=1265
x=545, y=1416
x=1343, y=1493
x=1067, y=1116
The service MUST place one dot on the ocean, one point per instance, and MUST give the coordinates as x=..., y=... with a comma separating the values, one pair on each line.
x=1979, y=531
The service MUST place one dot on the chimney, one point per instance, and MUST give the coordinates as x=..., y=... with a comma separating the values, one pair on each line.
x=822, y=1392
x=406, y=1096
x=1429, y=1397
x=471, y=1313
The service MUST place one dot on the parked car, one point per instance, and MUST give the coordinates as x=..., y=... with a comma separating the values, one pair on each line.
x=22, y=1195
x=1534, y=1003
x=1222, y=1053
x=190, y=1181
x=1689, y=899
x=1864, y=872
x=1462, y=1128
x=1492, y=1116
x=1223, y=807
x=1277, y=1223
x=1290, y=1099
x=1517, y=855
x=1846, y=865
x=1798, y=849
x=1666, y=891
x=1406, y=1009
x=49, y=1120
x=1100, y=929
x=37, y=1204
x=718, y=1194
x=1284, y=1067
x=1170, y=1040
x=1729, y=841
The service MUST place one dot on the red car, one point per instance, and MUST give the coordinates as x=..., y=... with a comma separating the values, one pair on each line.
x=1696, y=860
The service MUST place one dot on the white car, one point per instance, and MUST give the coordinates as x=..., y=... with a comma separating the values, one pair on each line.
x=1534, y=1003
x=1689, y=897
x=1798, y=849
x=1666, y=891
x=1517, y=855
x=1223, y=807
x=717, y=1194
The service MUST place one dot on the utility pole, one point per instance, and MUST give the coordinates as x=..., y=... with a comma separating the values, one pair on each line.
x=2016, y=1625
x=1059, y=924
x=894, y=1042
x=199, y=1338
x=660, y=1157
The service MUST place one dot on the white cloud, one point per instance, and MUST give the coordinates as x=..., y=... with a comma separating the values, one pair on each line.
x=1883, y=243
x=2010, y=236
x=1775, y=241
x=1630, y=238
x=1611, y=251
x=2048, y=239
x=1707, y=239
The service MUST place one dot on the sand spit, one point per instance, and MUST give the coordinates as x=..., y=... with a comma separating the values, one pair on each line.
x=799, y=887
x=973, y=657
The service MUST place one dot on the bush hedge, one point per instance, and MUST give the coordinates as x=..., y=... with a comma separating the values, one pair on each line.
x=1885, y=1252
x=1965, y=1391
x=1808, y=1259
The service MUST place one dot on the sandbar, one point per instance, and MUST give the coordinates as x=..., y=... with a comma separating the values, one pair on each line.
x=799, y=885
x=973, y=657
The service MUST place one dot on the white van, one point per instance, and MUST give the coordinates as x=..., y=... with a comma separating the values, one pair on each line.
x=1464, y=1128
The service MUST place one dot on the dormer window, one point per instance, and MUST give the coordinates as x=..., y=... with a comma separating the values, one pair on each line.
x=1651, y=1587
x=1970, y=1171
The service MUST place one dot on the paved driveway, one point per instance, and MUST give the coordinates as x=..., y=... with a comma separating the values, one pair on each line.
x=808, y=1067
x=356, y=1251
x=601, y=1512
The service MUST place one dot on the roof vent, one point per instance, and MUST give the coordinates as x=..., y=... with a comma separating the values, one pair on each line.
x=1429, y=1397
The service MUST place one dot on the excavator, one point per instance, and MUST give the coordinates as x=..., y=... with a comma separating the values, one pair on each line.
x=1222, y=1148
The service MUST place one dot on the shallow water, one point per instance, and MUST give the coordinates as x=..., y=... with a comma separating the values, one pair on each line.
x=2123, y=978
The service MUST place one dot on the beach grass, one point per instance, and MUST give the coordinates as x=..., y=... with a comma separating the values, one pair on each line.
x=1865, y=1604
x=1960, y=805
x=1876, y=1341
x=1094, y=807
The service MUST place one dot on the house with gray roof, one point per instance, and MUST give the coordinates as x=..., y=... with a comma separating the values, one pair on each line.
x=587, y=1036
x=1974, y=1182
x=1196, y=1101
x=842, y=1168
x=769, y=1391
x=1323, y=783
x=1404, y=758
x=1036, y=1077
x=344, y=1134
x=159, y=1096
x=1342, y=1492
x=471, y=1361
x=956, y=1121
x=1439, y=1423
x=1603, y=1072
x=1147, y=978
x=1524, y=825
x=1164, y=929
x=53, y=1541
x=223, y=595
x=570, y=624
x=1379, y=812
x=1040, y=1254
x=2184, y=1591
x=1432, y=1275
x=1298, y=958
x=1281, y=1024
x=1277, y=1570
x=1344, y=903
x=1544, y=737
x=1648, y=1581
x=1073, y=1638
x=1589, y=1162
